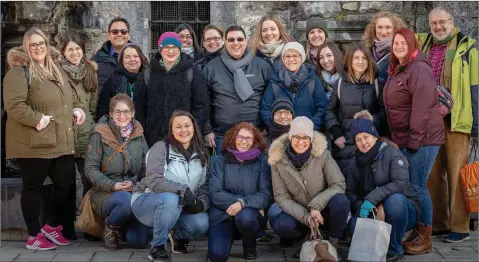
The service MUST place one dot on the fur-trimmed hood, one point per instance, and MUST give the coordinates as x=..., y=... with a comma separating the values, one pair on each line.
x=18, y=57
x=277, y=150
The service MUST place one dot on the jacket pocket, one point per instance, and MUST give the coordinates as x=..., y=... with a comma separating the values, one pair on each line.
x=46, y=137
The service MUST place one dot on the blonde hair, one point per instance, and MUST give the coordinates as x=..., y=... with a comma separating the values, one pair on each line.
x=50, y=70
x=257, y=39
x=370, y=32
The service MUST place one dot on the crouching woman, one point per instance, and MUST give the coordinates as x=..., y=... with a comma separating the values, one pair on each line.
x=379, y=176
x=173, y=197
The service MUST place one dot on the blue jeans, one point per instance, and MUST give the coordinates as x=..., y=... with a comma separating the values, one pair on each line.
x=219, y=142
x=246, y=224
x=119, y=212
x=401, y=215
x=162, y=212
x=420, y=166
x=335, y=219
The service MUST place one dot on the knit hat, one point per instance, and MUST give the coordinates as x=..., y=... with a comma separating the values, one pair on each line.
x=295, y=46
x=301, y=125
x=169, y=38
x=282, y=104
x=363, y=123
x=316, y=21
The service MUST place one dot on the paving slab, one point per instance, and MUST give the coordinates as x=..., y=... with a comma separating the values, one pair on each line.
x=109, y=256
x=73, y=257
x=199, y=256
x=16, y=247
x=450, y=253
x=8, y=256
x=139, y=256
x=433, y=256
x=34, y=257
x=270, y=256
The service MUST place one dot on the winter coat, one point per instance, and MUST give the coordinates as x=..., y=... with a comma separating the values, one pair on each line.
x=465, y=71
x=296, y=192
x=383, y=64
x=173, y=174
x=168, y=91
x=124, y=166
x=227, y=107
x=231, y=180
x=305, y=104
x=25, y=106
x=275, y=62
x=340, y=111
x=412, y=106
x=207, y=57
x=87, y=100
x=111, y=88
x=390, y=176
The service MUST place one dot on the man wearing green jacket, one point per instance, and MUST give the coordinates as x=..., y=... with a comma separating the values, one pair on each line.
x=454, y=59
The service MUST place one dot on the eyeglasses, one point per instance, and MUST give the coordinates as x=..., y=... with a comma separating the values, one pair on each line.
x=126, y=112
x=167, y=49
x=296, y=139
x=232, y=39
x=441, y=23
x=282, y=113
x=294, y=57
x=116, y=31
x=215, y=38
x=35, y=46
x=248, y=139
x=188, y=37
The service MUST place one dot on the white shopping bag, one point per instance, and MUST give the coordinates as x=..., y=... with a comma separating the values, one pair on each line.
x=370, y=240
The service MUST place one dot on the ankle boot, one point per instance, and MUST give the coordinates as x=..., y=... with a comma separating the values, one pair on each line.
x=110, y=236
x=412, y=237
x=423, y=243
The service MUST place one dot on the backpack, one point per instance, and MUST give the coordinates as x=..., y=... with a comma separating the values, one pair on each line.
x=375, y=87
x=147, y=75
x=311, y=87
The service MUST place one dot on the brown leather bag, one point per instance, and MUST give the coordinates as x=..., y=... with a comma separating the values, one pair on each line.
x=89, y=222
x=317, y=249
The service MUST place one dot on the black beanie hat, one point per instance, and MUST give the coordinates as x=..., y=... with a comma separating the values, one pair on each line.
x=282, y=103
x=316, y=21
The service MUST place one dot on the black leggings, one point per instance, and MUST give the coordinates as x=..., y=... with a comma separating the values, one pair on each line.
x=34, y=171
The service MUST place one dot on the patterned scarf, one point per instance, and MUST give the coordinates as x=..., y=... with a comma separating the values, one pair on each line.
x=271, y=50
x=293, y=80
x=451, y=40
x=75, y=72
x=162, y=64
x=125, y=131
x=314, y=56
x=381, y=48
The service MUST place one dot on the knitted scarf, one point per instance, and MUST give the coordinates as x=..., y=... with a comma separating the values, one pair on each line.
x=314, y=56
x=125, y=131
x=189, y=51
x=271, y=50
x=251, y=154
x=364, y=162
x=127, y=81
x=451, y=40
x=381, y=48
x=298, y=160
x=75, y=72
x=293, y=80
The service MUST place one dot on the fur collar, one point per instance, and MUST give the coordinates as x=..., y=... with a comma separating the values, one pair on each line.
x=277, y=151
x=18, y=57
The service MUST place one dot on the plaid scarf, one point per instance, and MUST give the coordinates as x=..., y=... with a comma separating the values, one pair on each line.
x=451, y=40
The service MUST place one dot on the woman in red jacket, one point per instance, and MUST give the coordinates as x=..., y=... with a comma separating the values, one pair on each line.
x=412, y=109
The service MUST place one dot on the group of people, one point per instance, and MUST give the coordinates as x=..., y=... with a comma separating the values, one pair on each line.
x=225, y=139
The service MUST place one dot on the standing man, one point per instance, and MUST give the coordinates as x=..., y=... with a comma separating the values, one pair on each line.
x=454, y=59
x=237, y=81
x=107, y=56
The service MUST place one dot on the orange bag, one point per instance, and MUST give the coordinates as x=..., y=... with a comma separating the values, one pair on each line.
x=469, y=181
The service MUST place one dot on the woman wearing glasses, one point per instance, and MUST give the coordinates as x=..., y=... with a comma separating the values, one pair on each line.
x=298, y=83
x=189, y=41
x=41, y=111
x=240, y=191
x=116, y=155
x=213, y=44
x=308, y=186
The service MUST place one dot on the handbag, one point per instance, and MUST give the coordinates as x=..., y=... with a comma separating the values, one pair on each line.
x=316, y=249
x=469, y=182
x=89, y=222
x=445, y=100
x=370, y=240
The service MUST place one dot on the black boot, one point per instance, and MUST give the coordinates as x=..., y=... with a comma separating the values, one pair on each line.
x=159, y=254
x=181, y=246
x=250, y=253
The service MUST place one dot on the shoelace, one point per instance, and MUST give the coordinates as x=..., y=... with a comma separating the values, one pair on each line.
x=414, y=235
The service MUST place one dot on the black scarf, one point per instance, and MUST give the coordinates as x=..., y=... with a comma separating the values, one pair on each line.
x=364, y=162
x=298, y=160
x=276, y=130
x=126, y=78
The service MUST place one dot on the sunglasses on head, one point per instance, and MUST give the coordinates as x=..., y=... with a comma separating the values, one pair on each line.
x=232, y=39
x=116, y=31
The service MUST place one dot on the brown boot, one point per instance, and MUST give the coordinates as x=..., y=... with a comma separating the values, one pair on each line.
x=421, y=244
x=110, y=236
x=412, y=237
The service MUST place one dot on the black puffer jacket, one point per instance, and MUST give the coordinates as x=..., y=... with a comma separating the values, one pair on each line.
x=168, y=91
x=207, y=57
x=354, y=97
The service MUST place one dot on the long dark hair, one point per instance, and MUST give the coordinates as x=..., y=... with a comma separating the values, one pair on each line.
x=369, y=75
x=196, y=142
x=91, y=81
x=182, y=27
x=338, y=59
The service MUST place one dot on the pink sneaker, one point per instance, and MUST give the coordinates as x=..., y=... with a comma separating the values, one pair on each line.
x=40, y=243
x=55, y=235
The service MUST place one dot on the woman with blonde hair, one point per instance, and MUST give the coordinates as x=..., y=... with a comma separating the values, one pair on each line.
x=269, y=40
x=41, y=112
x=378, y=38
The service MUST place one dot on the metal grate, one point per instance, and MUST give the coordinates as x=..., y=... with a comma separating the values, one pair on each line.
x=166, y=16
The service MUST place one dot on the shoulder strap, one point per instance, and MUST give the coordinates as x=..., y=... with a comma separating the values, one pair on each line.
x=190, y=74
x=339, y=87
x=311, y=87
x=376, y=87
x=147, y=76
x=118, y=149
x=27, y=75
x=167, y=160
x=275, y=89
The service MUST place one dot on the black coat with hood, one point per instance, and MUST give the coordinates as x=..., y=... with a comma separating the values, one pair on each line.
x=206, y=58
x=106, y=64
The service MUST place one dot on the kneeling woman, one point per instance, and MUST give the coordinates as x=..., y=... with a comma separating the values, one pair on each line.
x=308, y=186
x=240, y=191
x=115, y=156
x=379, y=175
x=174, y=193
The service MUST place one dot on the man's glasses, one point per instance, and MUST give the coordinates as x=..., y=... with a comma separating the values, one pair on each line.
x=441, y=23
x=232, y=39
x=116, y=31
x=35, y=46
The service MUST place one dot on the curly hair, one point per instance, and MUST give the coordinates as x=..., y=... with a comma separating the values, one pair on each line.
x=230, y=137
x=370, y=32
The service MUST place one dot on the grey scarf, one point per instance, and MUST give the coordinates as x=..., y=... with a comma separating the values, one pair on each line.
x=329, y=78
x=189, y=51
x=381, y=48
x=242, y=86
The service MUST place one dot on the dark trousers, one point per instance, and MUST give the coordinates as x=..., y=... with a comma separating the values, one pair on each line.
x=245, y=225
x=335, y=217
x=34, y=171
